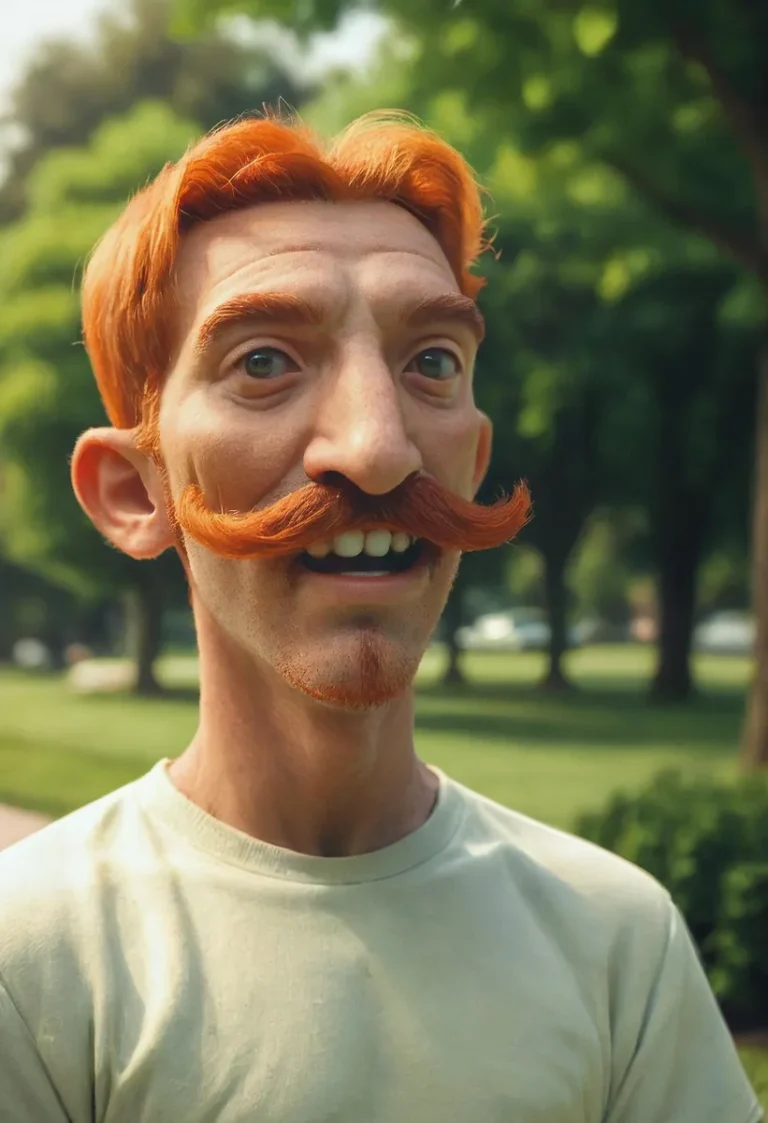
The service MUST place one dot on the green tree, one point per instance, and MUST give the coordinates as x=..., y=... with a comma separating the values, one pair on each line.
x=672, y=94
x=567, y=400
x=601, y=574
x=31, y=607
x=536, y=381
x=686, y=446
x=47, y=391
x=61, y=203
x=69, y=88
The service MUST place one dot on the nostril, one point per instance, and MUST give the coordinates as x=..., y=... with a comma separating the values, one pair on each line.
x=334, y=479
x=372, y=470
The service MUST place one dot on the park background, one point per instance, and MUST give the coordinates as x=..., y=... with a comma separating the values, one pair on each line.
x=608, y=673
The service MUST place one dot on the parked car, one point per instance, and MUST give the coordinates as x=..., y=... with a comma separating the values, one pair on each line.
x=516, y=629
x=729, y=633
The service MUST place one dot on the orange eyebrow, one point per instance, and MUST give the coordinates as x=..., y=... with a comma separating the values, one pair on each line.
x=452, y=306
x=274, y=307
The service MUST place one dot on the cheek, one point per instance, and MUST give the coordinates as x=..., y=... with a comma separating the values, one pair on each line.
x=238, y=454
x=246, y=600
x=449, y=448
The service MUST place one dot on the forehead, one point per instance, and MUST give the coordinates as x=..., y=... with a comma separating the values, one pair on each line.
x=332, y=250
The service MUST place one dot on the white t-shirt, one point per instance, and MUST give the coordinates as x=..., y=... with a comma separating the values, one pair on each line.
x=158, y=966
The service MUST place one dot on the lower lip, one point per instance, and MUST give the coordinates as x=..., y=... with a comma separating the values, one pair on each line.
x=353, y=589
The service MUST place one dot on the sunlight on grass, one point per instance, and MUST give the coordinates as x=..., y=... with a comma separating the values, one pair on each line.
x=755, y=1063
x=549, y=756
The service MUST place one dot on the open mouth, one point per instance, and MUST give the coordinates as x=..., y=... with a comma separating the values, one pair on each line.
x=376, y=553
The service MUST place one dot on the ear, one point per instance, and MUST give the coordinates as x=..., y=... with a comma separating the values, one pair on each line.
x=121, y=491
x=483, y=453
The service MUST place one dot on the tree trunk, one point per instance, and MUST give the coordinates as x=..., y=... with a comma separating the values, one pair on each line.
x=453, y=673
x=452, y=620
x=679, y=560
x=681, y=511
x=564, y=492
x=556, y=596
x=143, y=617
x=754, y=744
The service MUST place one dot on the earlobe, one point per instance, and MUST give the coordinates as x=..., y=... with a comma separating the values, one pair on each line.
x=121, y=491
x=483, y=453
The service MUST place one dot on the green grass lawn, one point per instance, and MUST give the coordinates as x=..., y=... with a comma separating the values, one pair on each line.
x=548, y=756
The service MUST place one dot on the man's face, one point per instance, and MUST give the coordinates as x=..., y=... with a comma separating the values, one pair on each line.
x=262, y=399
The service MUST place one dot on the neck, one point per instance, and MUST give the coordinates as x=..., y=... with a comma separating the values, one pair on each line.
x=293, y=772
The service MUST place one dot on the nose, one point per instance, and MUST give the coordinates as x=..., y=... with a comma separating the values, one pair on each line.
x=360, y=430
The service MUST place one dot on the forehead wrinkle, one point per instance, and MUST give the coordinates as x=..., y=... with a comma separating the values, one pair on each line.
x=216, y=253
x=352, y=250
x=256, y=254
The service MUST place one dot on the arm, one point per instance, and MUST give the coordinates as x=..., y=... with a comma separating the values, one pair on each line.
x=684, y=1067
x=26, y=1089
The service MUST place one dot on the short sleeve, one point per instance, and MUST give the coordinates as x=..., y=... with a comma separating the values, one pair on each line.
x=684, y=1068
x=26, y=1089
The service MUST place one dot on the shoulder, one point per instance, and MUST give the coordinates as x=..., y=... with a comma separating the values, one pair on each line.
x=592, y=890
x=49, y=881
x=54, y=846
x=53, y=972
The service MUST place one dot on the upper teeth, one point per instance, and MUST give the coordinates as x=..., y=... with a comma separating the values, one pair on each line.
x=376, y=544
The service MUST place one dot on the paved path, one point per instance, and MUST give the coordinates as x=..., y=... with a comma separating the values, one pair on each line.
x=16, y=824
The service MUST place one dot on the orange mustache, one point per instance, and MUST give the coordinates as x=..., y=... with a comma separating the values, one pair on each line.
x=420, y=506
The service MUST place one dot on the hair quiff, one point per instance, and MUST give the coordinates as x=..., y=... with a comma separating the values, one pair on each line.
x=128, y=289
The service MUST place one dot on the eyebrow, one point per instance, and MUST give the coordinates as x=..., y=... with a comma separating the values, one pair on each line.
x=291, y=310
x=272, y=307
x=451, y=307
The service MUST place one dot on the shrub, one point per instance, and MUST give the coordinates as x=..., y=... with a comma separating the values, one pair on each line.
x=708, y=844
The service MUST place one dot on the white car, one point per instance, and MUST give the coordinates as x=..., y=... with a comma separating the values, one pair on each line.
x=516, y=629
x=731, y=633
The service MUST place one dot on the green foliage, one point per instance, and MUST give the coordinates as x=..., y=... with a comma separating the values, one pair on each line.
x=121, y=157
x=69, y=88
x=667, y=93
x=600, y=575
x=724, y=579
x=707, y=843
x=617, y=365
x=194, y=15
x=95, y=122
x=47, y=391
x=343, y=96
x=525, y=576
x=739, y=944
x=47, y=246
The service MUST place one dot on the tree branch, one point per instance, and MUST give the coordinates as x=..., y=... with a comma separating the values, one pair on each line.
x=745, y=120
x=729, y=239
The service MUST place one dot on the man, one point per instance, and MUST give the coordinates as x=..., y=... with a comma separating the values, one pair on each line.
x=296, y=920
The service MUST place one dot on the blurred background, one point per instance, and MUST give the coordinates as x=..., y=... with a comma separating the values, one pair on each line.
x=609, y=672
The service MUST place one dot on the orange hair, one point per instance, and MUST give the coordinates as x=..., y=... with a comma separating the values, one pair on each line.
x=128, y=289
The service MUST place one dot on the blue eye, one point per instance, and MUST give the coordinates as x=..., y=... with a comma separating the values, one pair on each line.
x=437, y=363
x=267, y=362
